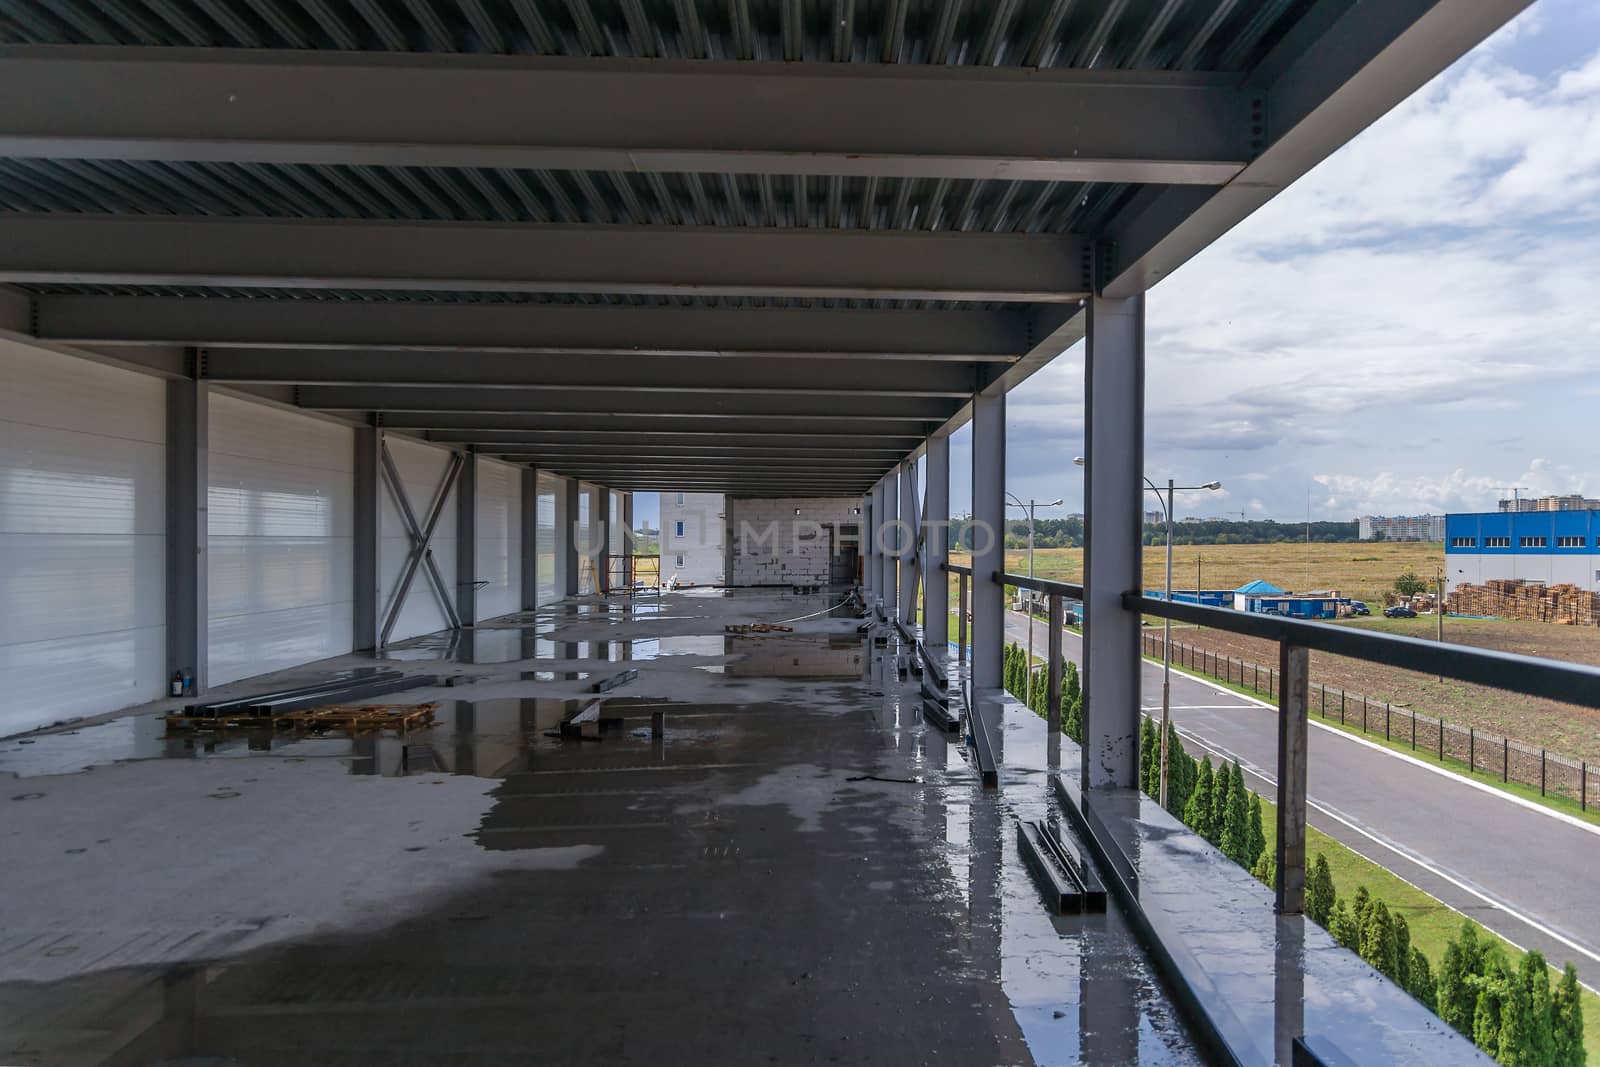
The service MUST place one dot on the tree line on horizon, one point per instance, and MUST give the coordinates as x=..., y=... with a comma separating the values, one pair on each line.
x=1510, y=1011
x=1068, y=532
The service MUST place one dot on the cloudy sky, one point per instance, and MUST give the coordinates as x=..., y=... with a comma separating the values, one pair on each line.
x=1412, y=325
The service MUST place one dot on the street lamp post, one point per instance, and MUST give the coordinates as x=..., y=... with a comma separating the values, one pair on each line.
x=1166, y=643
x=1027, y=688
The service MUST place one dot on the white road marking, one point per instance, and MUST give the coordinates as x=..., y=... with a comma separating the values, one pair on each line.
x=1407, y=855
x=1444, y=772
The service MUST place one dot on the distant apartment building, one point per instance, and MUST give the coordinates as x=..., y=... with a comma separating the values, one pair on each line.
x=1401, y=527
x=692, y=537
x=1574, y=502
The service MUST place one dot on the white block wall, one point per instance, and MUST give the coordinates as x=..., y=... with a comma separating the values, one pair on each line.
x=281, y=521
x=421, y=468
x=548, y=567
x=499, y=538
x=700, y=546
x=82, y=537
x=769, y=544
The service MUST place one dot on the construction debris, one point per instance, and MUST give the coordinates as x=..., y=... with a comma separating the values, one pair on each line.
x=759, y=628
x=605, y=685
x=350, y=718
x=1528, y=601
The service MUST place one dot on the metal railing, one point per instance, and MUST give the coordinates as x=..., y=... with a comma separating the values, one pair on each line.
x=1480, y=751
x=1525, y=675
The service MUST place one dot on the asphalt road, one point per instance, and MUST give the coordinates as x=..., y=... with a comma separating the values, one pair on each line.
x=1528, y=875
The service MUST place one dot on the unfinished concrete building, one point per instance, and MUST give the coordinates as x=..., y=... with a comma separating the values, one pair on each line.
x=335, y=335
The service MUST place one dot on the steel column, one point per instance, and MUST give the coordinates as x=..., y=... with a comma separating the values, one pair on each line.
x=567, y=535
x=1114, y=491
x=869, y=531
x=601, y=529
x=908, y=542
x=936, y=546
x=188, y=475
x=890, y=544
x=627, y=540
x=529, y=531
x=988, y=534
x=1053, y=664
x=467, y=540
x=366, y=611
x=1294, y=702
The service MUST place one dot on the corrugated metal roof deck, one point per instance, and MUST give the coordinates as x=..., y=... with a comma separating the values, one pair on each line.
x=858, y=213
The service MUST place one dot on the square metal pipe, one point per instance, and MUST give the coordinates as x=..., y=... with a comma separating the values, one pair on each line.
x=367, y=608
x=188, y=475
x=988, y=538
x=566, y=536
x=529, y=539
x=908, y=542
x=935, y=547
x=1114, y=491
x=467, y=540
x=889, y=546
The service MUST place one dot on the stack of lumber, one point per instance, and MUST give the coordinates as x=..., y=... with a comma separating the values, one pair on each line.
x=1516, y=598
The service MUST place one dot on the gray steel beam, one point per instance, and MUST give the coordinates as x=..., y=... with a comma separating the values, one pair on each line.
x=674, y=260
x=866, y=333
x=687, y=462
x=936, y=551
x=563, y=373
x=703, y=448
x=566, y=535
x=622, y=114
x=874, y=562
x=869, y=579
x=578, y=426
x=365, y=614
x=600, y=513
x=1331, y=77
x=889, y=545
x=907, y=474
x=528, y=542
x=526, y=402
x=988, y=539
x=1053, y=328
x=188, y=477
x=1114, y=495
x=467, y=541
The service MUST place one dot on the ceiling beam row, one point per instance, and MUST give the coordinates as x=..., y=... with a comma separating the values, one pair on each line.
x=250, y=106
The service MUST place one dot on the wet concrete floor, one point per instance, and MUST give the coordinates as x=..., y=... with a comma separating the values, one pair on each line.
x=800, y=871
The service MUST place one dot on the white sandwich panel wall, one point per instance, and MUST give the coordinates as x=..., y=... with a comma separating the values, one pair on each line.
x=281, y=520
x=422, y=468
x=499, y=538
x=82, y=537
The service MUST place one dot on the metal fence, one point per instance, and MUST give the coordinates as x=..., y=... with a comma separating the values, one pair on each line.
x=1427, y=735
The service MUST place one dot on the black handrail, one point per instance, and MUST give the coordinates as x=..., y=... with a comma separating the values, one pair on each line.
x=1041, y=585
x=1570, y=683
x=955, y=568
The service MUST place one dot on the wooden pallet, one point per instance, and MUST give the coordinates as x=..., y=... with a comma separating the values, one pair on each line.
x=351, y=718
x=361, y=718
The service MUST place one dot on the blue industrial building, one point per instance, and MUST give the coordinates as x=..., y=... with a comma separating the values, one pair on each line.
x=1553, y=547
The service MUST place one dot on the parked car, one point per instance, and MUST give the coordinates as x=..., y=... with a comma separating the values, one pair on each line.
x=1359, y=608
x=1399, y=611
